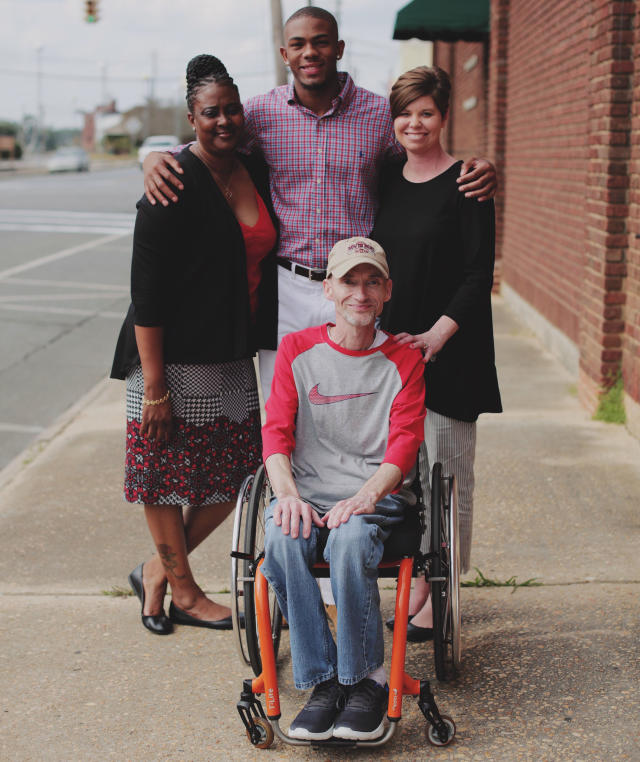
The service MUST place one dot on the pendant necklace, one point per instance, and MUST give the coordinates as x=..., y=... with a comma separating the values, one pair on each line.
x=225, y=187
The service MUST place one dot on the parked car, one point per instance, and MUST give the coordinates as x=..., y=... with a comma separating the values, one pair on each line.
x=156, y=143
x=69, y=159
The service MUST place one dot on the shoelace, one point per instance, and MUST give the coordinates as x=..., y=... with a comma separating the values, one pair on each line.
x=364, y=696
x=324, y=695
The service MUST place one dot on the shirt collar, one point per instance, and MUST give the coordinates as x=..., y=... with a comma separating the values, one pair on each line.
x=344, y=97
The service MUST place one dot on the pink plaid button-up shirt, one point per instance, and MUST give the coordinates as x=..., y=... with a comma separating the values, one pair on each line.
x=323, y=169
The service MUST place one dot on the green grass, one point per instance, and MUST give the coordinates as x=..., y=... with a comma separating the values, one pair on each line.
x=119, y=592
x=123, y=592
x=611, y=406
x=482, y=581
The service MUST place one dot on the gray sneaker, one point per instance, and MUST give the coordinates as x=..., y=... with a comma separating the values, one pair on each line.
x=362, y=719
x=315, y=720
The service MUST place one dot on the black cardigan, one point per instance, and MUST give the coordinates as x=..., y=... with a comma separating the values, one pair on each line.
x=440, y=248
x=189, y=275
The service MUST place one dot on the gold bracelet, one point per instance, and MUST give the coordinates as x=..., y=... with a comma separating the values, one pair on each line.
x=161, y=401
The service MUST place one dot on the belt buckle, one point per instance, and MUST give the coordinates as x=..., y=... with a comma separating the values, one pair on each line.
x=298, y=269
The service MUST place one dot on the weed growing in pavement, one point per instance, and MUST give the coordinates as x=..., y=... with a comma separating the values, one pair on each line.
x=482, y=581
x=119, y=592
x=611, y=405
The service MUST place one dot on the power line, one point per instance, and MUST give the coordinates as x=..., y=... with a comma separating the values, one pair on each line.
x=98, y=77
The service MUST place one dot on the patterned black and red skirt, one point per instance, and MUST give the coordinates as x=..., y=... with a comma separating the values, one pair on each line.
x=215, y=441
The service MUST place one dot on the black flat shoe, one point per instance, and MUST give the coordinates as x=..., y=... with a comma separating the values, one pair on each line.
x=158, y=624
x=392, y=620
x=178, y=616
x=417, y=634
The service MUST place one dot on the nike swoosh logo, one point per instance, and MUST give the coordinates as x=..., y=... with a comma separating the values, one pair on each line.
x=315, y=398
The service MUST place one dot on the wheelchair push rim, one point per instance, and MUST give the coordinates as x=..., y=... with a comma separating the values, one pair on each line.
x=259, y=499
x=237, y=568
x=445, y=574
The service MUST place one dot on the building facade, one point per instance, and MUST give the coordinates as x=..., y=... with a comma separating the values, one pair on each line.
x=553, y=97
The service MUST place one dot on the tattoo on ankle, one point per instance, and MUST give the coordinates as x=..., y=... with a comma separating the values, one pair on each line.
x=168, y=558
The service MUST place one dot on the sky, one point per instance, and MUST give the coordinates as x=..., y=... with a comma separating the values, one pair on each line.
x=82, y=63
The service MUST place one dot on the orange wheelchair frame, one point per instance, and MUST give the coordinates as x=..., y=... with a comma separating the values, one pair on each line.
x=263, y=620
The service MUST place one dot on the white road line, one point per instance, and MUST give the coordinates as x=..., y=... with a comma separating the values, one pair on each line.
x=62, y=311
x=90, y=229
x=54, y=215
x=60, y=221
x=68, y=284
x=88, y=296
x=59, y=255
x=20, y=429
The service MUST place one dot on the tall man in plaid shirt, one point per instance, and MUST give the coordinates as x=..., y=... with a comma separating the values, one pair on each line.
x=324, y=140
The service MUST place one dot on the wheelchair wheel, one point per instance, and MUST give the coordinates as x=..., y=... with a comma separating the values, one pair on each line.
x=259, y=498
x=445, y=574
x=237, y=568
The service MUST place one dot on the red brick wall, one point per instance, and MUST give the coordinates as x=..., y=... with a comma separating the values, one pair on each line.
x=546, y=156
x=497, y=114
x=631, y=341
x=466, y=134
x=610, y=99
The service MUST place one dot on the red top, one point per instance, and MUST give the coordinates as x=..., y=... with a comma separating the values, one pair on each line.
x=259, y=239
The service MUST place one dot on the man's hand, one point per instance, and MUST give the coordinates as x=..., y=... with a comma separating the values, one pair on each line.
x=289, y=511
x=156, y=172
x=362, y=502
x=478, y=179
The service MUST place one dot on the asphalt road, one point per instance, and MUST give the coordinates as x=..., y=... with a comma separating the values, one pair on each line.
x=65, y=248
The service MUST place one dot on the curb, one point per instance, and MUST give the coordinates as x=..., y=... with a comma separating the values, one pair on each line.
x=30, y=454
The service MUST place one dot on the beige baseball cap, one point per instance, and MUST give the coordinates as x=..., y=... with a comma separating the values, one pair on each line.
x=356, y=251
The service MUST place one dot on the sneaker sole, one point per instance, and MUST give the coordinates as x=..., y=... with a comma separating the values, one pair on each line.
x=302, y=734
x=349, y=734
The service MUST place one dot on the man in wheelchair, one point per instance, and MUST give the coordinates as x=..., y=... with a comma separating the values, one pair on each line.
x=344, y=423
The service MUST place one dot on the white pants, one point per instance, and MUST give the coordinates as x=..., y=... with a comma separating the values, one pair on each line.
x=452, y=443
x=301, y=304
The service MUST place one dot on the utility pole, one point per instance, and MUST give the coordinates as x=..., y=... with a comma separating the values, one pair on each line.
x=104, y=97
x=152, y=95
x=39, y=141
x=278, y=42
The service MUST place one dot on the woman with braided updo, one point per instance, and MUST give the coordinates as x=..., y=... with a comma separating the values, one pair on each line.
x=203, y=289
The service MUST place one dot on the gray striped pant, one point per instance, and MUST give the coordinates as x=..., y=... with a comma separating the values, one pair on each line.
x=452, y=443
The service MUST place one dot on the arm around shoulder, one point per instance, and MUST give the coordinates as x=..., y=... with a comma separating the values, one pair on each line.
x=160, y=182
x=478, y=179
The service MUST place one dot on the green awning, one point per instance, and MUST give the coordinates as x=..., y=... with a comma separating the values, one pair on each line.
x=443, y=20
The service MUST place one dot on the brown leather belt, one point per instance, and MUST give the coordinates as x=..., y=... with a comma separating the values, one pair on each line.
x=307, y=272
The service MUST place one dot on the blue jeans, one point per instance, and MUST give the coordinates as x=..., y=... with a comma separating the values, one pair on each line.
x=353, y=551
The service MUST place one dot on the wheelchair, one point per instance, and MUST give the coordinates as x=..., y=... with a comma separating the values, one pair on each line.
x=259, y=641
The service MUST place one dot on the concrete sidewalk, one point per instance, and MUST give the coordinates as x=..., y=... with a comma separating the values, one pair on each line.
x=549, y=673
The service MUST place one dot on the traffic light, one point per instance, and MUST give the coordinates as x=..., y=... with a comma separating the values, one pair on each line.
x=91, y=11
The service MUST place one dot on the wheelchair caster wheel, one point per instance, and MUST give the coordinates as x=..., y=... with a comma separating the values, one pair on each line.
x=262, y=736
x=434, y=738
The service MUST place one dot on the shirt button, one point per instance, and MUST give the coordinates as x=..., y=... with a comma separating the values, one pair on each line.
x=319, y=181
x=319, y=150
x=317, y=240
x=318, y=210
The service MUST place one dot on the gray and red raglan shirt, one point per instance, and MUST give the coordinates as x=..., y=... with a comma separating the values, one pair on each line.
x=338, y=414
